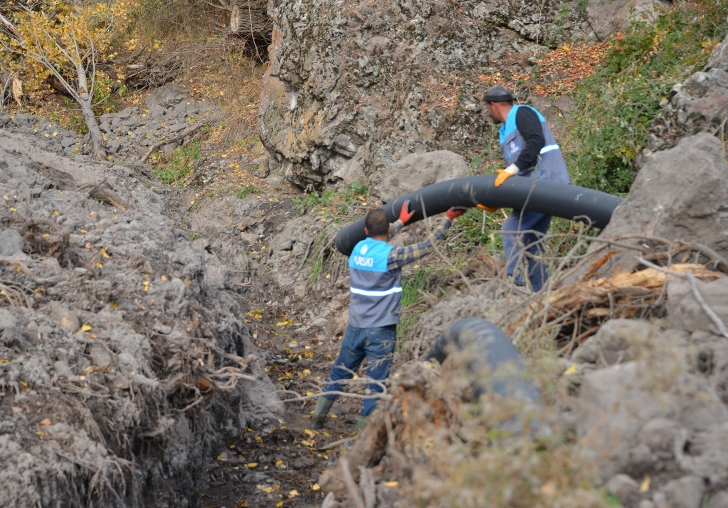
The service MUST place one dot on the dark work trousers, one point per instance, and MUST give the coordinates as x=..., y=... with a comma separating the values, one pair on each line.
x=374, y=344
x=517, y=245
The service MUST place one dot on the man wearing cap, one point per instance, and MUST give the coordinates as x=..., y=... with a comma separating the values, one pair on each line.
x=529, y=150
x=375, y=268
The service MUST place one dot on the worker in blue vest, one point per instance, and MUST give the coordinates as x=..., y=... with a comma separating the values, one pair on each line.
x=375, y=268
x=530, y=151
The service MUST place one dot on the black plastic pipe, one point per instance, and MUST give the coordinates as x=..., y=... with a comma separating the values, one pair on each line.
x=487, y=347
x=521, y=193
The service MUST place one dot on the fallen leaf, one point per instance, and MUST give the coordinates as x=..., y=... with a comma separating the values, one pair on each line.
x=570, y=371
x=47, y=421
x=104, y=253
x=293, y=493
x=309, y=432
x=645, y=485
x=85, y=328
x=315, y=486
x=279, y=504
x=391, y=484
x=548, y=489
x=251, y=465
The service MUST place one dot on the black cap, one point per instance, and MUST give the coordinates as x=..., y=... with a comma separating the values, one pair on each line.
x=497, y=93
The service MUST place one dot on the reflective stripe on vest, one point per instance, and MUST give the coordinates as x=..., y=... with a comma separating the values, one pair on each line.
x=376, y=292
x=550, y=164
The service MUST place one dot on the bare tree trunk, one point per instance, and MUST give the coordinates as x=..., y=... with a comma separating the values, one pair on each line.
x=86, y=102
x=97, y=138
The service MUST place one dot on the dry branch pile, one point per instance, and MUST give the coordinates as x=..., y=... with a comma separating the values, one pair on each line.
x=576, y=310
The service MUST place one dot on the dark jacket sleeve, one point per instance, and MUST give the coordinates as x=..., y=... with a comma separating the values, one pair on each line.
x=529, y=126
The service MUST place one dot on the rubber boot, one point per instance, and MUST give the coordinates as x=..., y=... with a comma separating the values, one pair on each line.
x=319, y=413
x=361, y=422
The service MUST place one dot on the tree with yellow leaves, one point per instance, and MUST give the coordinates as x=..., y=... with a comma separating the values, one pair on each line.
x=65, y=41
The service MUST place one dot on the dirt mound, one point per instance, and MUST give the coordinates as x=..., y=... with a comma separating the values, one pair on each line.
x=124, y=356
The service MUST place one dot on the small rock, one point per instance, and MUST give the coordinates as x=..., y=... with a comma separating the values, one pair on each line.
x=10, y=242
x=622, y=486
x=177, y=127
x=166, y=96
x=66, y=142
x=687, y=492
x=69, y=320
x=113, y=146
x=100, y=356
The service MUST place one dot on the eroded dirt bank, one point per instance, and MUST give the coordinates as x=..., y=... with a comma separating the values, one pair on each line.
x=124, y=358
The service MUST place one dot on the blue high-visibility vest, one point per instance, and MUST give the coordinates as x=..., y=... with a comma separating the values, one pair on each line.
x=550, y=164
x=376, y=293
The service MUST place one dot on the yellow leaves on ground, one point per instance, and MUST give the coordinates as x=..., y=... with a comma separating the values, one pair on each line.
x=310, y=444
x=280, y=464
x=104, y=253
x=270, y=489
x=570, y=371
x=309, y=432
x=391, y=485
x=645, y=485
x=285, y=323
x=85, y=328
x=293, y=494
x=315, y=486
x=251, y=465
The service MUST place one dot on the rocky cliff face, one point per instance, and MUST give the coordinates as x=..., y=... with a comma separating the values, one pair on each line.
x=355, y=86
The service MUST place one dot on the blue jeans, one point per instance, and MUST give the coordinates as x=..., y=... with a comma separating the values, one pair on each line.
x=374, y=344
x=520, y=248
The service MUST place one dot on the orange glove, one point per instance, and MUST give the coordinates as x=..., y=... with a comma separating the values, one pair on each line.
x=505, y=174
x=489, y=209
x=454, y=212
x=404, y=215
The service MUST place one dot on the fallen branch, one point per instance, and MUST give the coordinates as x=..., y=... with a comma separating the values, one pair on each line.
x=176, y=138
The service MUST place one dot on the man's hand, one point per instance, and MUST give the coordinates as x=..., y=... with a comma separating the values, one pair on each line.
x=505, y=174
x=489, y=209
x=404, y=215
x=454, y=212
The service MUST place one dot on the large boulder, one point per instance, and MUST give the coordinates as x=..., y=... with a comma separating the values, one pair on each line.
x=352, y=89
x=679, y=194
x=420, y=170
x=610, y=16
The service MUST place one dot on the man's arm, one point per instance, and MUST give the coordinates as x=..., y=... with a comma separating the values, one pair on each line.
x=395, y=227
x=530, y=128
x=400, y=256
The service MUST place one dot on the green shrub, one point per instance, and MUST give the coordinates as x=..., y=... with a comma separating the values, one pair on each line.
x=616, y=107
x=179, y=163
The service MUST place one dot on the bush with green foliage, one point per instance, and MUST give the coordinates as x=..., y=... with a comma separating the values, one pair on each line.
x=616, y=107
x=179, y=164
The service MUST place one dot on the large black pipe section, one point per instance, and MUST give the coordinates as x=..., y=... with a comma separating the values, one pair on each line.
x=521, y=193
x=488, y=350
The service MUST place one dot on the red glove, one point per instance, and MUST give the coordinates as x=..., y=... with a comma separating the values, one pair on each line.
x=454, y=212
x=404, y=215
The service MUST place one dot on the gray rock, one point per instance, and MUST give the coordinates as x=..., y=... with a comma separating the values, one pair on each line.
x=686, y=492
x=10, y=242
x=615, y=341
x=617, y=402
x=718, y=500
x=166, y=96
x=610, y=16
x=157, y=112
x=419, y=170
x=177, y=127
x=7, y=320
x=66, y=142
x=622, y=486
x=100, y=356
x=669, y=202
x=659, y=435
x=693, y=106
x=684, y=311
x=113, y=146
x=105, y=127
x=261, y=168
